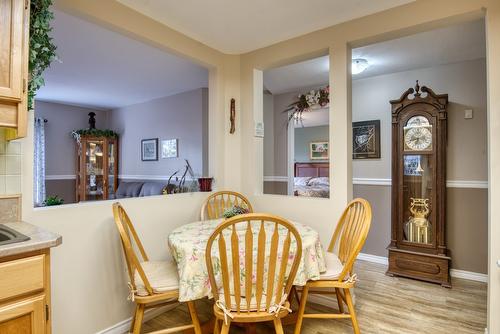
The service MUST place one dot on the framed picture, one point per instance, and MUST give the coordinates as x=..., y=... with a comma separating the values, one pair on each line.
x=366, y=140
x=149, y=149
x=318, y=150
x=169, y=148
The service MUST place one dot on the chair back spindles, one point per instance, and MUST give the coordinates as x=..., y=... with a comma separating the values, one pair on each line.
x=260, y=265
x=351, y=232
x=215, y=205
x=248, y=263
x=130, y=241
x=280, y=262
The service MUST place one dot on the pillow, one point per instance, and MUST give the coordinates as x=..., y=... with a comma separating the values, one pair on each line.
x=301, y=181
x=319, y=181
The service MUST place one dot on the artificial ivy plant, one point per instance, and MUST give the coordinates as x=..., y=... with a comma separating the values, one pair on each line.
x=42, y=50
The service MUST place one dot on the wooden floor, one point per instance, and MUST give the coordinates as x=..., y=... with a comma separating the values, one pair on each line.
x=384, y=305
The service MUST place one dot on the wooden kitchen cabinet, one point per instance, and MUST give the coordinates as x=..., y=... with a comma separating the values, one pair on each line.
x=14, y=42
x=24, y=317
x=25, y=293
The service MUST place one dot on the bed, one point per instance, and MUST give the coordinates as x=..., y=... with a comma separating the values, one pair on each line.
x=312, y=179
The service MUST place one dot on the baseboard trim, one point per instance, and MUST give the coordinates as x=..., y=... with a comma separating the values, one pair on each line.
x=469, y=275
x=456, y=273
x=124, y=326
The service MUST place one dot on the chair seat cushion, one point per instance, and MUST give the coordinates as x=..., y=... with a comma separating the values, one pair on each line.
x=162, y=276
x=243, y=303
x=333, y=267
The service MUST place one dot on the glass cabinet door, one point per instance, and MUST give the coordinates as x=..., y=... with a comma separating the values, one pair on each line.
x=418, y=199
x=111, y=169
x=94, y=170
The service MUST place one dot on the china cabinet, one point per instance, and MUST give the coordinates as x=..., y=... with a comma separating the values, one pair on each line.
x=418, y=244
x=14, y=38
x=97, y=168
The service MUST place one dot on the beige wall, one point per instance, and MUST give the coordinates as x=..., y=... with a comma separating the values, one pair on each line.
x=88, y=273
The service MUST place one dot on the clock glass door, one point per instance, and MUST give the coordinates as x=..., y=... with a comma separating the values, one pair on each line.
x=418, y=174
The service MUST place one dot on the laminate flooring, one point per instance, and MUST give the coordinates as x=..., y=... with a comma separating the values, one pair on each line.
x=384, y=305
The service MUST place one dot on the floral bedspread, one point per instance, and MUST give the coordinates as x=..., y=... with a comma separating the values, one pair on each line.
x=188, y=242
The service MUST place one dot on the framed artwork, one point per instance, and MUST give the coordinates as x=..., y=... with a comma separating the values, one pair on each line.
x=366, y=140
x=149, y=149
x=169, y=148
x=318, y=150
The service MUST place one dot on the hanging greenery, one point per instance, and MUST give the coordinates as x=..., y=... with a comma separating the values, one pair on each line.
x=94, y=133
x=42, y=51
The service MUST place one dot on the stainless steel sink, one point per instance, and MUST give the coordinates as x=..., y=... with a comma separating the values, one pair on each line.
x=10, y=236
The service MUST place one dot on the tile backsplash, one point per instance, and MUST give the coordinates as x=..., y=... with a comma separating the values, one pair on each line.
x=10, y=166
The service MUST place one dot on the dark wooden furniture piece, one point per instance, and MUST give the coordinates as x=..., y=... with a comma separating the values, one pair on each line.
x=312, y=169
x=97, y=168
x=418, y=246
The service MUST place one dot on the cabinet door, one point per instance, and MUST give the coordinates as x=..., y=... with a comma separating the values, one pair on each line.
x=11, y=49
x=23, y=317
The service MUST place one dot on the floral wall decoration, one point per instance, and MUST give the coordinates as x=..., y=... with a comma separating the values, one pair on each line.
x=315, y=99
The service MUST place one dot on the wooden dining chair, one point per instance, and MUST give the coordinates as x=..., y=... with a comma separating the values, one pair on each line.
x=348, y=239
x=258, y=258
x=215, y=205
x=152, y=283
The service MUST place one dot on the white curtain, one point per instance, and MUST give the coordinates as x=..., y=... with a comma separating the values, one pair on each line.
x=39, y=163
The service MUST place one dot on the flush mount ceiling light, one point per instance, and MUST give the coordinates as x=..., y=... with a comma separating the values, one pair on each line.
x=359, y=65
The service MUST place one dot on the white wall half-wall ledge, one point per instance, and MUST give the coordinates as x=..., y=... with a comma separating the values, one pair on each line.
x=387, y=182
x=463, y=274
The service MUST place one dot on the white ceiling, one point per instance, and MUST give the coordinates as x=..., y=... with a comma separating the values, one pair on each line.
x=443, y=46
x=103, y=69
x=315, y=117
x=238, y=26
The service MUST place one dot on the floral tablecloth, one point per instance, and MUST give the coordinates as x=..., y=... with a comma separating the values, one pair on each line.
x=188, y=242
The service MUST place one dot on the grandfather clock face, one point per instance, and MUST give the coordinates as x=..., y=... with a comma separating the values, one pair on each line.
x=418, y=134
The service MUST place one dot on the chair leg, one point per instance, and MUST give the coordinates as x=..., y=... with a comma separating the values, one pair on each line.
x=278, y=327
x=339, y=300
x=352, y=311
x=217, y=326
x=132, y=324
x=296, y=295
x=302, y=308
x=225, y=327
x=139, y=315
x=194, y=317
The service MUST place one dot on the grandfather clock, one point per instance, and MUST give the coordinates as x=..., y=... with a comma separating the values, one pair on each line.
x=418, y=244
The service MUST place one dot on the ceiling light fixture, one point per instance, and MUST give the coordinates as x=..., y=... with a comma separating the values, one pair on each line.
x=359, y=65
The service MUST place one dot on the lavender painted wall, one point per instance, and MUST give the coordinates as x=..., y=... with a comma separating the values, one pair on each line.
x=183, y=116
x=60, y=151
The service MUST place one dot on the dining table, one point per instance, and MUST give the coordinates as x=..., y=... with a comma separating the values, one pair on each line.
x=188, y=244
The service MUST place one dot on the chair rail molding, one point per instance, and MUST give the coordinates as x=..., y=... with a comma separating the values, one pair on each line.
x=60, y=177
x=473, y=184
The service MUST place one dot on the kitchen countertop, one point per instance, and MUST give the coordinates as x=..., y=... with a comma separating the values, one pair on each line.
x=40, y=238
